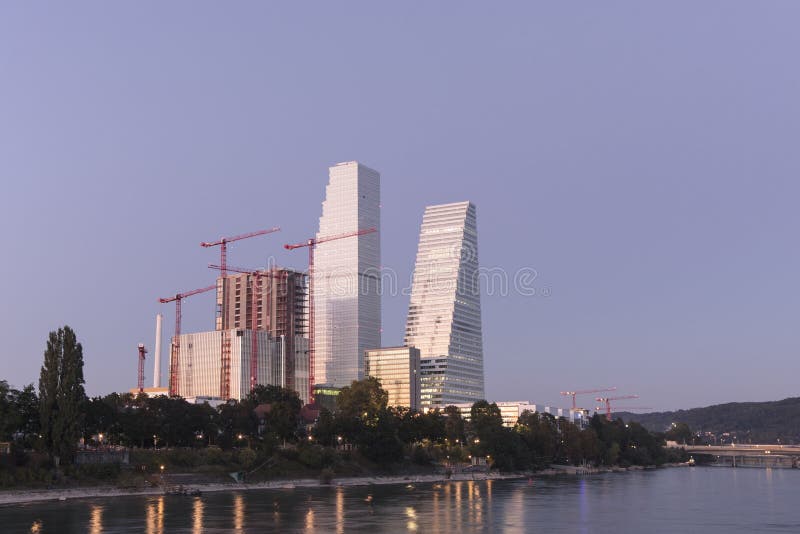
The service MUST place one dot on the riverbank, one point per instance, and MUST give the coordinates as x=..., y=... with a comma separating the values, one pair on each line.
x=29, y=496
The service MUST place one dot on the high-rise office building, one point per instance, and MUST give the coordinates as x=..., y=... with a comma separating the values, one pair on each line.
x=279, y=305
x=397, y=369
x=444, y=314
x=346, y=284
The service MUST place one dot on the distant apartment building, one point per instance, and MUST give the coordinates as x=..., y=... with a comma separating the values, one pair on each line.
x=397, y=369
x=199, y=363
x=150, y=392
x=444, y=314
x=509, y=410
x=346, y=279
x=578, y=416
x=273, y=301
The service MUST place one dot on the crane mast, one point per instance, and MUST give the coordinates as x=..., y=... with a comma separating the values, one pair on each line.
x=311, y=244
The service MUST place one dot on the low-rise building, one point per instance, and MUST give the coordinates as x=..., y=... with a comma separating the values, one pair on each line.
x=397, y=369
x=150, y=392
x=509, y=410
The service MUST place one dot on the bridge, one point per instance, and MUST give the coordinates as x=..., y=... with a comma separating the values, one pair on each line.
x=750, y=455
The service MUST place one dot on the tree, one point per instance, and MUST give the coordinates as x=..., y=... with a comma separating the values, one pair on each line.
x=364, y=420
x=362, y=398
x=283, y=416
x=61, y=394
x=26, y=406
x=8, y=419
x=680, y=433
x=454, y=424
x=326, y=429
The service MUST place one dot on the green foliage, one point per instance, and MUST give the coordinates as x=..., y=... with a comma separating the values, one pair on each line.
x=247, y=458
x=362, y=399
x=61, y=394
x=627, y=444
x=283, y=414
x=7, y=416
x=327, y=429
x=316, y=456
x=454, y=427
x=415, y=426
x=680, y=433
x=756, y=422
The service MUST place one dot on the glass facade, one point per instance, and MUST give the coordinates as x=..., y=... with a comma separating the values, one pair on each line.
x=444, y=314
x=397, y=368
x=199, y=363
x=346, y=285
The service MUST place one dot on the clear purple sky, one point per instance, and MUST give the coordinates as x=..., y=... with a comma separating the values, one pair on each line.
x=642, y=158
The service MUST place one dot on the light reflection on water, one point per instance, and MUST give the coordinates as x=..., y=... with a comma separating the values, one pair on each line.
x=238, y=512
x=154, y=515
x=197, y=515
x=340, y=510
x=310, y=520
x=96, y=522
x=673, y=500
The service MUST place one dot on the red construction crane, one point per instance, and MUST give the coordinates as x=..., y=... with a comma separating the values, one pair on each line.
x=176, y=340
x=223, y=245
x=225, y=380
x=574, y=394
x=311, y=244
x=607, y=402
x=142, y=352
x=225, y=356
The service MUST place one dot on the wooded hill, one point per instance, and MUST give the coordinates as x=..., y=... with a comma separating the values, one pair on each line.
x=755, y=422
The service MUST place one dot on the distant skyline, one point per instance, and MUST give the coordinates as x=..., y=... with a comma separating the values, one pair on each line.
x=640, y=159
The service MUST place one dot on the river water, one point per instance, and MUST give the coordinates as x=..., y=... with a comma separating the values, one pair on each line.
x=677, y=500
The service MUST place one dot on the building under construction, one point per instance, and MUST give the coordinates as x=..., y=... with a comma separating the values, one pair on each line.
x=273, y=301
x=200, y=367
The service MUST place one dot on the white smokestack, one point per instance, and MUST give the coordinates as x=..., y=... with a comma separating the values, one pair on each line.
x=157, y=362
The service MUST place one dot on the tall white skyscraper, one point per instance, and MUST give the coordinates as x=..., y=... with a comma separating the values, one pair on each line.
x=444, y=315
x=346, y=286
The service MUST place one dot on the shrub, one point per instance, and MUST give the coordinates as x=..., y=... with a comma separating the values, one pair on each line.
x=247, y=457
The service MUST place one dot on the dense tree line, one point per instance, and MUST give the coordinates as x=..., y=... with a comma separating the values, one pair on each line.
x=61, y=417
x=385, y=434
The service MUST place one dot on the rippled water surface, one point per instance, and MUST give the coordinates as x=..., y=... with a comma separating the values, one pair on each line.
x=707, y=500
